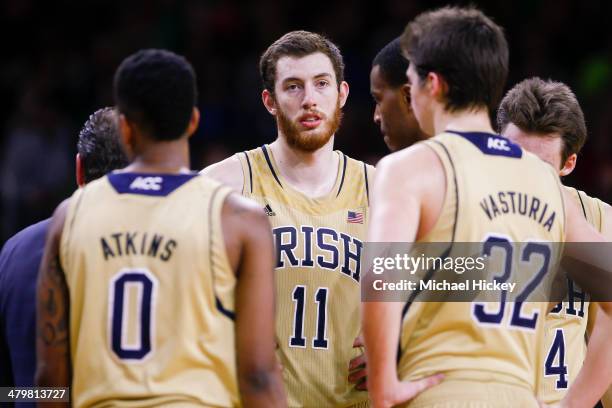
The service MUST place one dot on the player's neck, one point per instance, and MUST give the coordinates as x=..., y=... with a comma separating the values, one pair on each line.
x=162, y=157
x=473, y=120
x=313, y=173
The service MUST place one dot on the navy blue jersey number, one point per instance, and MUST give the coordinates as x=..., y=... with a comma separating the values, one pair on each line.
x=297, y=339
x=557, y=352
x=518, y=320
x=145, y=285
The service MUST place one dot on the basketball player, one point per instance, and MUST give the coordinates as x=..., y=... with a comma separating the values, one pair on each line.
x=441, y=190
x=545, y=118
x=393, y=113
x=98, y=152
x=317, y=201
x=153, y=278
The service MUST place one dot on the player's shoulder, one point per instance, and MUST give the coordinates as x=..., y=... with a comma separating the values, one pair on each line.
x=574, y=193
x=394, y=169
x=598, y=212
x=94, y=191
x=584, y=197
x=99, y=183
x=227, y=171
x=420, y=153
x=586, y=200
x=242, y=213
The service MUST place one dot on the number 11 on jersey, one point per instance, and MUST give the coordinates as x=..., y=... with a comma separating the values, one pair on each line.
x=320, y=340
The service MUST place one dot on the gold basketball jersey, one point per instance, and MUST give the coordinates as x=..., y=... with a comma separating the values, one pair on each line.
x=487, y=201
x=318, y=244
x=151, y=292
x=564, y=347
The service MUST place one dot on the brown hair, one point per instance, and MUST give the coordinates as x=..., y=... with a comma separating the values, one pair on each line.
x=539, y=106
x=298, y=44
x=466, y=48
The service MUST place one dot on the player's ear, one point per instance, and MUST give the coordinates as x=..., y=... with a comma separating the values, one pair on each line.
x=80, y=171
x=569, y=165
x=269, y=102
x=343, y=92
x=437, y=86
x=194, y=121
x=405, y=92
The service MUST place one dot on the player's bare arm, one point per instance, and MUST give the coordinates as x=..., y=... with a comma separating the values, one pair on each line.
x=52, y=334
x=250, y=250
x=596, y=372
x=397, y=211
x=228, y=172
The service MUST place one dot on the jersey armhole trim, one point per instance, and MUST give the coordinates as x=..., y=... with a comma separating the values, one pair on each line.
x=226, y=312
x=343, y=173
x=581, y=203
x=452, y=164
x=267, y=157
x=367, y=187
x=601, y=216
x=248, y=161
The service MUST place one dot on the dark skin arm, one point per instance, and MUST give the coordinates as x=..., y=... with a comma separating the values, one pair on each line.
x=250, y=250
x=53, y=306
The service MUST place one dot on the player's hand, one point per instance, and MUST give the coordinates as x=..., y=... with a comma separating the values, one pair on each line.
x=403, y=391
x=358, y=369
x=278, y=362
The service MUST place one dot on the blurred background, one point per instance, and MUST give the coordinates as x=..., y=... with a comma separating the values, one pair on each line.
x=60, y=56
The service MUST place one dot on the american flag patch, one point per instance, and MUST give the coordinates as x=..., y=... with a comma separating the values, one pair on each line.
x=354, y=217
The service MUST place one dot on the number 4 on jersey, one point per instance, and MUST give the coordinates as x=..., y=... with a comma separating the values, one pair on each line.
x=557, y=352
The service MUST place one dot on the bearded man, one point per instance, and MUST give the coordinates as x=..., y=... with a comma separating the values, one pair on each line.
x=317, y=201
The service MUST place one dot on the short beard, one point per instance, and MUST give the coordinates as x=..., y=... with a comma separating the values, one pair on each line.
x=309, y=140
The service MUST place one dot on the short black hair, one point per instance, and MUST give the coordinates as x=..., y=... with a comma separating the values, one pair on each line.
x=392, y=64
x=156, y=90
x=466, y=48
x=99, y=146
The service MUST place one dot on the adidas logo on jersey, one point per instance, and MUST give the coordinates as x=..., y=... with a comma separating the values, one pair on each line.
x=146, y=183
x=268, y=211
x=497, y=144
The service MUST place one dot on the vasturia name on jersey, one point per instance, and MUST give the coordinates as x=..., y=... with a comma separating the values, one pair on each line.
x=488, y=202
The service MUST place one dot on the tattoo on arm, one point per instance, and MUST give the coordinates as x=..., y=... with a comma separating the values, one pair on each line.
x=53, y=323
x=53, y=314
